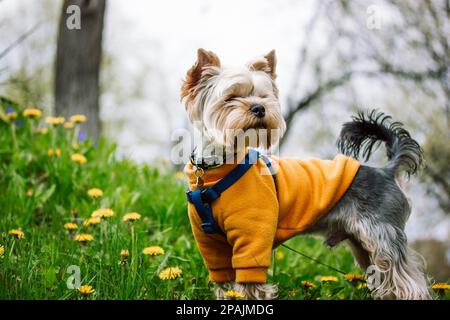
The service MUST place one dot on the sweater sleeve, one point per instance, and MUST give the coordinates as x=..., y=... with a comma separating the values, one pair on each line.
x=251, y=234
x=215, y=250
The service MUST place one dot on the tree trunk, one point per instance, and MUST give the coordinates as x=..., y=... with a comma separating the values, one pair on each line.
x=78, y=64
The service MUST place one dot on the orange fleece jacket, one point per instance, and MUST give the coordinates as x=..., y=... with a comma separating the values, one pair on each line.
x=255, y=219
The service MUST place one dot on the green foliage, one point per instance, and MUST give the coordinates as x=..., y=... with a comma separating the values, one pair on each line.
x=41, y=191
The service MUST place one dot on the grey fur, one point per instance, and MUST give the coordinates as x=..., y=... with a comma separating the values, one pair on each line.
x=372, y=217
x=372, y=214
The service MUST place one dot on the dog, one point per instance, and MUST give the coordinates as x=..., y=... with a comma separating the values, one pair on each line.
x=359, y=204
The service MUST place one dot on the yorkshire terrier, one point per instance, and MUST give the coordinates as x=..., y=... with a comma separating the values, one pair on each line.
x=362, y=205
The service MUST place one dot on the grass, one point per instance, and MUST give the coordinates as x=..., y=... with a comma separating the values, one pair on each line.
x=41, y=192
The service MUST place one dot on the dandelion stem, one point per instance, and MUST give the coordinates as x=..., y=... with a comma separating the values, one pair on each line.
x=13, y=134
x=133, y=260
x=75, y=134
x=132, y=240
x=30, y=134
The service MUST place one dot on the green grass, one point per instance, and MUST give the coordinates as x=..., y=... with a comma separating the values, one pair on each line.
x=40, y=193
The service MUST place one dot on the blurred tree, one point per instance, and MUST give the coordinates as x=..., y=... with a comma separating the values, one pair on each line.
x=406, y=46
x=419, y=31
x=78, y=59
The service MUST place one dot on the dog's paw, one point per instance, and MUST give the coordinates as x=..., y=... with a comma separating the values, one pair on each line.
x=257, y=291
x=221, y=288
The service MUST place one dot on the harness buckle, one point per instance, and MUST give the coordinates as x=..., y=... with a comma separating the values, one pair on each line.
x=198, y=173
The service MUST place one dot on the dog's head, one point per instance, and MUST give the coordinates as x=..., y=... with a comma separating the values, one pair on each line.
x=227, y=103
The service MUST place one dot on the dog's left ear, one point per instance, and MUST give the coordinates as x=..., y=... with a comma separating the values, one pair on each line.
x=205, y=59
x=267, y=64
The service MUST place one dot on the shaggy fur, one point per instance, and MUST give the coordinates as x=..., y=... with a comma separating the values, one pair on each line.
x=372, y=214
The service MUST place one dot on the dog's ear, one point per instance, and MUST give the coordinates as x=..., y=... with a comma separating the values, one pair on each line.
x=267, y=64
x=194, y=74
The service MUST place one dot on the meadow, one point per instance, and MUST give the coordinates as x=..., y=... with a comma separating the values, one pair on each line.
x=78, y=223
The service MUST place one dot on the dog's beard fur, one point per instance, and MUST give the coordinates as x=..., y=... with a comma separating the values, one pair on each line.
x=219, y=101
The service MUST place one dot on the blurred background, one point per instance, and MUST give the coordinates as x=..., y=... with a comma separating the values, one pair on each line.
x=123, y=68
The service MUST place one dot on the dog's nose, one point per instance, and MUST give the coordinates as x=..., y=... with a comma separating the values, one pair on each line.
x=258, y=110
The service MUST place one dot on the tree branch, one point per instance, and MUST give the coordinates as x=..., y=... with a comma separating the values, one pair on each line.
x=332, y=84
x=19, y=40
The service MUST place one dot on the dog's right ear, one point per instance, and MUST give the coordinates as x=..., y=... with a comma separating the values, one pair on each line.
x=194, y=74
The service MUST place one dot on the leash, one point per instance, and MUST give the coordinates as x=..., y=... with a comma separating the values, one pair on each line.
x=313, y=259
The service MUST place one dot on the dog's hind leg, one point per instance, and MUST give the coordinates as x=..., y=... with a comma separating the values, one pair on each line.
x=361, y=255
x=396, y=270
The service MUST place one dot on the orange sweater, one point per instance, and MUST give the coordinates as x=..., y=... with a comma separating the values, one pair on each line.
x=254, y=220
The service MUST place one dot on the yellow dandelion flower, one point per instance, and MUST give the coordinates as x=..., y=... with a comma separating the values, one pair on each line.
x=78, y=118
x=86, y=289
x=103, y=213
x=361, y=285
x=91, y=221
x=42, y=130
x=235, y=295
x=55, y=121
x=132, y=216
x=329, y=279
x=68, y=125
x=17, y=233
x=30, y=192
x=279, y=255
x=308, y=284
x=95, y=192
x=124, y=253
x=170, y=273
x=354, y=277
x=84, y=237
x=292, y=293
x=153, y=251
x=56, y=152
x=2, y=250
x=441, y=286
x=11, y=116
x=70, y=226
x=78, y=158
x=33, y=113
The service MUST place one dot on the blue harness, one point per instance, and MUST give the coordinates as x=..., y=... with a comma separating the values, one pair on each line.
x=203, y=198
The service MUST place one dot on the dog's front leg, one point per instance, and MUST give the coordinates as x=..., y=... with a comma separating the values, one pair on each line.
x=221, y=288
x=257, y=291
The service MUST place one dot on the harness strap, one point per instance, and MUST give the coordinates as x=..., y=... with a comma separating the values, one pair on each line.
x=202, y=198
x=271, y=170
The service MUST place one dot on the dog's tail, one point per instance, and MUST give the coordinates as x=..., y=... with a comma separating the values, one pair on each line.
x=369, y=129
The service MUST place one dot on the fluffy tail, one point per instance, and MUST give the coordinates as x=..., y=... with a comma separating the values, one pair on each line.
x=369, y=129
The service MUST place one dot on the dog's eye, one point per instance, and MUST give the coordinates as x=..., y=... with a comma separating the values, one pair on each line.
x=229, y=99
